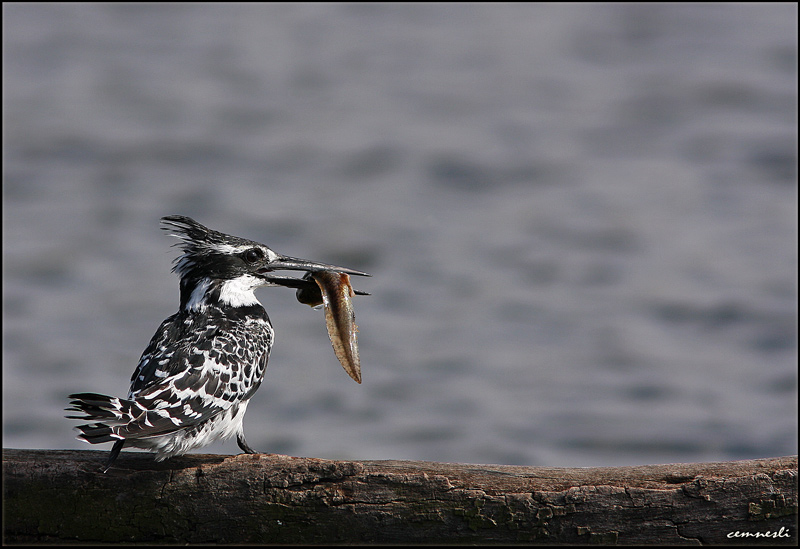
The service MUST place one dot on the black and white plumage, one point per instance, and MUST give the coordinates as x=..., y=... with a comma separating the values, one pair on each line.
x=195, y=378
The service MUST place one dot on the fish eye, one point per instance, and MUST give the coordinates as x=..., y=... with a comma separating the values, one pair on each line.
x=253, y=254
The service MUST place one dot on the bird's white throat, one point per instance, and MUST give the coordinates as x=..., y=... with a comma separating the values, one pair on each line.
x=237, y=292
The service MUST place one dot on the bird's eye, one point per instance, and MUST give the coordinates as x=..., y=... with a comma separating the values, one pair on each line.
x=253, y=254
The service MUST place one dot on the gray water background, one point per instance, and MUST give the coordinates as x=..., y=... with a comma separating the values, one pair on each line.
x=581, y=219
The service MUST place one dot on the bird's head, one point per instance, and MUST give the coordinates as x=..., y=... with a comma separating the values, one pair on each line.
x=217, y=267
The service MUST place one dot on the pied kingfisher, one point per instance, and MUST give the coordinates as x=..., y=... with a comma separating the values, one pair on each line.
x=195, y=378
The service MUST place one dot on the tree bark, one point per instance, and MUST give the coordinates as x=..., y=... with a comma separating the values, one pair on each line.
x=61, y=496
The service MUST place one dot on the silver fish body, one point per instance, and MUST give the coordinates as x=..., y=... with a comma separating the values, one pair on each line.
x=335, y=293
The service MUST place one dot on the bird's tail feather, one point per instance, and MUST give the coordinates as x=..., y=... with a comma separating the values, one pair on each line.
x=111, y=410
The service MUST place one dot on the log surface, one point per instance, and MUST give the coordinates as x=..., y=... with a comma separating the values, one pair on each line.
x=60, y=496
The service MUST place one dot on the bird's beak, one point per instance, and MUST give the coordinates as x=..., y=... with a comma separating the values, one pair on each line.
x=285, y=262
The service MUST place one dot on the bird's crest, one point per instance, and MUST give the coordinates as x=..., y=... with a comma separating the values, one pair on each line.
x=199, y=243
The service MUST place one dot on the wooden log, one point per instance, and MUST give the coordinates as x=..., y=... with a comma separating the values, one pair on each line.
x=60, y=496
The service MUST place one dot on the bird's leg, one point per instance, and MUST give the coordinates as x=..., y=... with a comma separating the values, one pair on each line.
x=113, y=455
x=243, y=444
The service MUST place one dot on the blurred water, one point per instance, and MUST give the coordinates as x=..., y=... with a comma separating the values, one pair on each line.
x=581, y=219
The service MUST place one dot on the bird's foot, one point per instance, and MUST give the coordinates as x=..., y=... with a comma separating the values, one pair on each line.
x=113, y=455
x=243, y=445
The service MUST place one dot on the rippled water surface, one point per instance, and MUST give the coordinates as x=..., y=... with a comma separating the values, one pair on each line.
x=581, y=219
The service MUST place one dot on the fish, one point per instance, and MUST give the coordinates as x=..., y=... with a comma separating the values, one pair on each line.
x=310, y=292
x=333, y=291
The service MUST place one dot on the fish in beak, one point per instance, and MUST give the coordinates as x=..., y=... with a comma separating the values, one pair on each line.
x=329, y=286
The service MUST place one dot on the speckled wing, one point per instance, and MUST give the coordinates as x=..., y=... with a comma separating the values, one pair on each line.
x=191, y=372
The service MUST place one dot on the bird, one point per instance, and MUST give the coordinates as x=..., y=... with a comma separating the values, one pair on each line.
x=194, y=380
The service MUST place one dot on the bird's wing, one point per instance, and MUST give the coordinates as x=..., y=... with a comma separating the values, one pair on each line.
x=190, y=372
x=168, y=354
